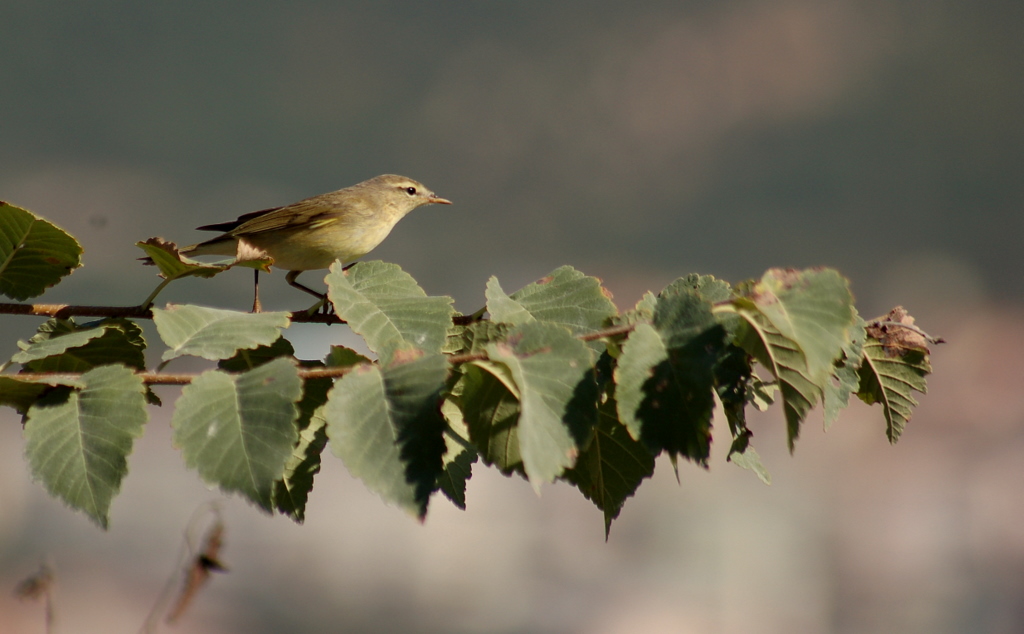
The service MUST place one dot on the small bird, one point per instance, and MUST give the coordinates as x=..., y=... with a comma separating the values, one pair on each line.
x=312, y=233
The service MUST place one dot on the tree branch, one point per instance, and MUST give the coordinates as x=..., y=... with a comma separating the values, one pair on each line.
x=162, y=378
x=63, y=311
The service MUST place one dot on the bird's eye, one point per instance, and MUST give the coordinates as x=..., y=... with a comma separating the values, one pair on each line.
x=411, y=191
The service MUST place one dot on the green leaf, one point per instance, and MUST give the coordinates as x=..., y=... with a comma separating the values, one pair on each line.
x=475, y=337
x=504, y=309
x=386, y=426
x=782, y=357
x=733, y=373
x=77, y=441
x=797, y=324
x=314, y=397
x=846, y=375
x=643, y=312
x=238, y=430
x=665, y=376
x=458, y=458
x=557, y=392
x=644, y=350
x=384, y=305
x=889, y=378
x=711, y=290
x=566, y=297
x=707, y=287
x=761, y=394
x=491, y=412
x=61, y=345
x=737, y=385
x=611, y=468
x=212, y=333
x=291, y=491
x=247, y=359
x=813, y=308
x=748, y=459
x=895, y=363
x=34, y=253
x=453, y=343
x=342, y=357
x=684, y=312
x=22, y=394
x=54, y=337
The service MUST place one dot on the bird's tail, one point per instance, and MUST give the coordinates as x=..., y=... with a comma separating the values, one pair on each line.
x=221, y=245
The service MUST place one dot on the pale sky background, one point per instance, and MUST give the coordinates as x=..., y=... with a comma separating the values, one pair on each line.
x=637, y=142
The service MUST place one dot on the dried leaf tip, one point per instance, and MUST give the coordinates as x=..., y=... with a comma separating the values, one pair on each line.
x=898, y=334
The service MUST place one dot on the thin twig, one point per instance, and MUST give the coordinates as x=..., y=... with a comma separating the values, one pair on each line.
x=608, y=332
x=459, y=359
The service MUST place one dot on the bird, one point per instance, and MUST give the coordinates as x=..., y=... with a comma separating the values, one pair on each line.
x=315, y=232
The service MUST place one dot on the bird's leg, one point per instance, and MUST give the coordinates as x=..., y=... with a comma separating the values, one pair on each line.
x=256, y=306
x=290, y=278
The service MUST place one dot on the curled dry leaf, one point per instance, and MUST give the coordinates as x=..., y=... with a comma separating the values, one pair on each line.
x=898, y=334
x=164, y=245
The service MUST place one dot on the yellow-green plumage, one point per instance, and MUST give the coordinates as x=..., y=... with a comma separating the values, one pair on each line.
x=312, y=233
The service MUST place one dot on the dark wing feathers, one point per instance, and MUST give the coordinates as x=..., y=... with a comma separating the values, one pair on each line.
x=296, y=215
x=231, y=224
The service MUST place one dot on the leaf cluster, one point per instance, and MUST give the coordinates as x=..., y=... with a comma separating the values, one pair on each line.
x=550, y=382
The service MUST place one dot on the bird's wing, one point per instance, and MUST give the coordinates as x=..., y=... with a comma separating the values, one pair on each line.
x=241, y=220
x=311, y=213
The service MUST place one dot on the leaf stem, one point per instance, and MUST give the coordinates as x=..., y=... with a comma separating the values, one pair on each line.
x=149, y=300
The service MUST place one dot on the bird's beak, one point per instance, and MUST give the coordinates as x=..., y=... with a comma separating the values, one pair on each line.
x=438, y=200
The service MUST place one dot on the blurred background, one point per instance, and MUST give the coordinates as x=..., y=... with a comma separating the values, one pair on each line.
x=636, y=141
